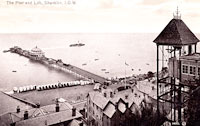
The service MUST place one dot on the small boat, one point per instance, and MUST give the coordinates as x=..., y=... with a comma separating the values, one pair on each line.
x=103, y=69
x=5, y=51
x=14, y=71
x=77, y=44
x=106, y=72
x=96, y=59
x=84, y=64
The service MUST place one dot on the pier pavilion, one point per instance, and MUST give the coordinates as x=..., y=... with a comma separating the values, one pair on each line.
x=37, y=53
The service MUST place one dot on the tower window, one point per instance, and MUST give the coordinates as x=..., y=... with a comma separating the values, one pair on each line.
x=192, y=70
x=198, y=70
x=185, y=68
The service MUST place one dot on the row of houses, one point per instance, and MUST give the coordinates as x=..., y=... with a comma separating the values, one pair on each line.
x=59, y=114
x=112, y=108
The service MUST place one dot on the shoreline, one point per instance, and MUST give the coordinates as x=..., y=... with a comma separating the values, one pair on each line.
x=70, y=94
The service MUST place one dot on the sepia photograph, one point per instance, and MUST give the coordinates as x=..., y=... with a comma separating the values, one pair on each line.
x=99, y=63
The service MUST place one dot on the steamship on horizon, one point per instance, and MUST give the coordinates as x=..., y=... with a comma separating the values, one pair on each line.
x=77, y=44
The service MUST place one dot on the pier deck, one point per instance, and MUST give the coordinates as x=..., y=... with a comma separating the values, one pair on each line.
x=68, y=67
x=88, y=74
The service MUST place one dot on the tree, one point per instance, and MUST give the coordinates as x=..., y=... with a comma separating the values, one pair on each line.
x=150, y=74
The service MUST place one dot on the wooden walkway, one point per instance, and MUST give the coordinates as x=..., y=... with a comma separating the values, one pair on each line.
x=86, y=74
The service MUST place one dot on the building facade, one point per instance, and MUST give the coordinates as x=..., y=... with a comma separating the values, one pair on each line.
x=112, y=108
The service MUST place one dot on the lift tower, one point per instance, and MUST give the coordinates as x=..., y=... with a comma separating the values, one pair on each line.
x=176, y=40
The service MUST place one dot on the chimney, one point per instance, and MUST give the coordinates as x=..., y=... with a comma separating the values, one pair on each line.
x=126, y=105
x=116, y=106
x=73, y=111
x=45, y=122
x=38, y=105
x=111, y=94
x=135, y=95
x=18, y=109
x=132, y=90
x=126, y=96
x=81, y=124
x=57, y=107
x=104, y=94
x=13, y=124
x=25, y=115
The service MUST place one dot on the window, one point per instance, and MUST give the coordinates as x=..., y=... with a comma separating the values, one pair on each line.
x=198, y=70
x=192, y=70
x=185, y=69
x=89, y=109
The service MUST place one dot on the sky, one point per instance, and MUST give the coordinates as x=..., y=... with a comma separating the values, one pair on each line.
x=95, y=16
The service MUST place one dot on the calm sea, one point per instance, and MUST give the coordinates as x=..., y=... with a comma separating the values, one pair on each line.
x=101, y=51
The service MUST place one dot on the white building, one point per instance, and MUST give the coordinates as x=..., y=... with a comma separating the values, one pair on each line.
x=37, y=53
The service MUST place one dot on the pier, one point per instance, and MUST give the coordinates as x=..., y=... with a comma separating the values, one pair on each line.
x=37, y=55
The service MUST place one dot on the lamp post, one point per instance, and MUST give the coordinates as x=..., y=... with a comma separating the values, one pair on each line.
x=125, y=73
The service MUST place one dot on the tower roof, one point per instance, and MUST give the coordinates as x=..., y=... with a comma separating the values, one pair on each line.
x=176, y=33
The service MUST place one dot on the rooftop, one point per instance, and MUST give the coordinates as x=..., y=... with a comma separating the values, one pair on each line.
x=99, y=100
x=131, y=97
x=36, y=49
x=43, y=116
x=176, y=33
x=121, y=106
x=194, y=56
x=7, y=100
x=110, y=110
x=74, y=123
